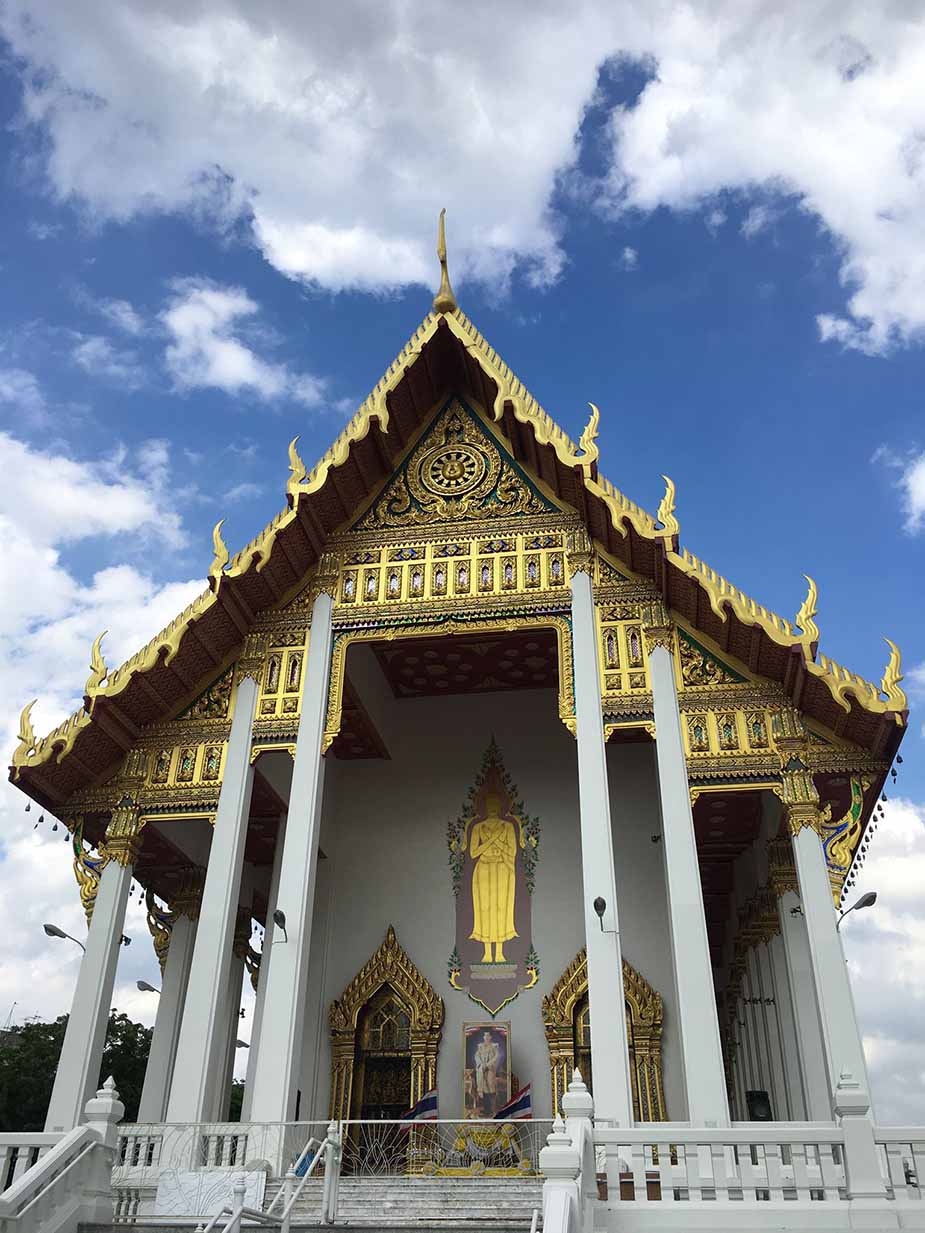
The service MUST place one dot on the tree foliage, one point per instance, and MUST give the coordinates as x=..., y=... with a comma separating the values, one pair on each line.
x=29, y=1058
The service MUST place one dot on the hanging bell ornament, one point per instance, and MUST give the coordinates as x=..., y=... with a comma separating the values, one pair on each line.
x=55, y=827
x=28, y=806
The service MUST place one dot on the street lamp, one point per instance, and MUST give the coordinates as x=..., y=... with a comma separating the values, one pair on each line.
x=867, y=900
x=143, y=987
x=52, y=931
x=242, y=1044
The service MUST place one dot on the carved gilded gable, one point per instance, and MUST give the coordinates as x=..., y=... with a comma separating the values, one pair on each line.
x=457, y=472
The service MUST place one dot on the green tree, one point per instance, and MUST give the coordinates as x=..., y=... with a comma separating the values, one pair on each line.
x=29, y=1058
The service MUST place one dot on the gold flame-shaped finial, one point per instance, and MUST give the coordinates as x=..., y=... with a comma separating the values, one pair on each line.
x=296, y=468
x=891, y=678
x=444, y=300
x=26, y=733
x=665, y=512
x=98, y=669
x=808, y=611
x=587, y=442
x=220, y=559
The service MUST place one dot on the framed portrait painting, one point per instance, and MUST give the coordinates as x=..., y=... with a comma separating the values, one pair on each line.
x=486, y=1068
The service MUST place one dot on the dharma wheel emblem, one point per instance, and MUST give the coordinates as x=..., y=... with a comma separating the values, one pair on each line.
x=454, y=470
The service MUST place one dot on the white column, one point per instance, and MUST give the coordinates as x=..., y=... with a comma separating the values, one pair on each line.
x=790, y=1044
x=780, y=1094
x=805, y=1009
x=752, y=1016
x=78, y=1073
x=698, y=1026
x=843, y=1045
x=272, y=899
x=232, y=1016
x=613, y=1095
x=279, y=1049
x=201, y=1048
x=153, y=1104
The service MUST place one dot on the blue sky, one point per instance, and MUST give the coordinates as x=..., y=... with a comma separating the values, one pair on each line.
x=215, y=236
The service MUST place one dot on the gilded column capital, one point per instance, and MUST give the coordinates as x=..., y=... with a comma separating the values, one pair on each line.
x=252, y=658
x=657, y=629
x=579, y=553
x=187, y=897
x=123, y=834
x=326, y=576
x=782, y=874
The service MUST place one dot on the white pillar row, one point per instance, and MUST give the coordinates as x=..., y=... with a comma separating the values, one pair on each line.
x=232, y=1014
x=698, y=1025
x=749, y=1070
x=817, y=1097
x=781, y=1093
x=790, y=1043
x=269, y=927
x=78, y=1073
x=613, y=1096
x=162, y=1055
x=279, y=1050
x=203, y=1033
x=843, y=1045
x=753, y=1018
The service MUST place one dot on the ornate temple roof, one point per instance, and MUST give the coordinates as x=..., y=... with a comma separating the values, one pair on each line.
x=446, y=353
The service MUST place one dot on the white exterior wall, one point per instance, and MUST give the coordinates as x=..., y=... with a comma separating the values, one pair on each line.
x=384, y=836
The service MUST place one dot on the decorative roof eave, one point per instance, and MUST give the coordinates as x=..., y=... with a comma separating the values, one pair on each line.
x=261, y=573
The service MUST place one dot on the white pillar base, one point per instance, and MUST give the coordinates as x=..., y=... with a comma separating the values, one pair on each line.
x=78, y=1073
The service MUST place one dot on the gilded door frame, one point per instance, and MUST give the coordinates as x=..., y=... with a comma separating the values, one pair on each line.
x=389, y=965
x=644, y=1011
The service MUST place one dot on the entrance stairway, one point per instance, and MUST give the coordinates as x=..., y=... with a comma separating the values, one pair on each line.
x=501, y=1204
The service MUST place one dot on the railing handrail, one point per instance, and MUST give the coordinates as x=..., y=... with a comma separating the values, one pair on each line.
x=446, y=1121
x=899, y=1134
x=663, y=1132
x=84, y=1151
x=295, y=1168
x=43, y=1171
x=30, y=1138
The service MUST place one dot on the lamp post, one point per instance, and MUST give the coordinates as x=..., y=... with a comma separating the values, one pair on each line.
x=867, y=900
x=52, y=931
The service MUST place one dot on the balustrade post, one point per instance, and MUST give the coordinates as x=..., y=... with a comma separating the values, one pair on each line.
x=560, y=1165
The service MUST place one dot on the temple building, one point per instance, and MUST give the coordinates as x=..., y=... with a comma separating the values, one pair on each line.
x=478, y=776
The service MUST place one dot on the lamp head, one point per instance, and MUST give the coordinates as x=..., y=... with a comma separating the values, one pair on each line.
x=143, y=987
x=54, y=932
x=867, y=900
x=600, y=907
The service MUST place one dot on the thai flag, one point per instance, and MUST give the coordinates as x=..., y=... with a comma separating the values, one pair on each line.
x=424, y=1111
x=519, y=1107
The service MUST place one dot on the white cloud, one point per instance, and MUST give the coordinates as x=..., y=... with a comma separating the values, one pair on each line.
x=885, y=947
x=44, y=231
x=339, y=139
x=715, y=219
x=910, y=482
x=98, y=357
x=204, y=322
x=629, y=259
x=758, y=219
x=22, y=390
x=243, y=492
x=121, y=314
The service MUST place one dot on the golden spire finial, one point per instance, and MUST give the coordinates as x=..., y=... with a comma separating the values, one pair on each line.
x=26, y=731
x=444, y=300
x=220, y=559
x=296, y=468
x=98, y=669
x=808, y=611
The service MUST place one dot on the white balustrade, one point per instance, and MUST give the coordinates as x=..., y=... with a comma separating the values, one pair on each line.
x=19, y=1152
x=903, y=1151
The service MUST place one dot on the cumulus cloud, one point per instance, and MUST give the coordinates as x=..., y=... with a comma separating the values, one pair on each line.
x=338, y=140
x=21, y=389
x=51, y=503
x=885, y=948
x=910, y=482
x=203, y=321
x=98, y=357
x=121, y=314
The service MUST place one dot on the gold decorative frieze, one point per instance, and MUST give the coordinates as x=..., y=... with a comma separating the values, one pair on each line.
x=282, y=675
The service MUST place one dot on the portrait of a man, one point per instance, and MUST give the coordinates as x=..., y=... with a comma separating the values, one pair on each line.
x=487, y=1079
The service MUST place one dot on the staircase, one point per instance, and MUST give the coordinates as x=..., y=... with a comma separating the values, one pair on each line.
x=503, y=1205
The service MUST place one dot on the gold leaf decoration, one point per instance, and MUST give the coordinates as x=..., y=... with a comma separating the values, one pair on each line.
x=220, y=558
x=98, y=669
x=699, y=669
x=666, y=514
x=807, y=611
x=891, y=678
x=588, y=440
x=26, y=733
x=296, y=467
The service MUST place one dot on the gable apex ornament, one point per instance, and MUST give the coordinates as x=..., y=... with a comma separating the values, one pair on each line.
x=98, y=669
x=444, y=300
x=220, y=555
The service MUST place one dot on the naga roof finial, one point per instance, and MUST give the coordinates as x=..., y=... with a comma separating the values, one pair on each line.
x=444, y=300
